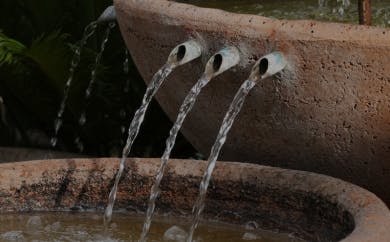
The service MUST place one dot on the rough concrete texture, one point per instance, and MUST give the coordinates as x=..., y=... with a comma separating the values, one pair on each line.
x=328, y=112
x=314, y=207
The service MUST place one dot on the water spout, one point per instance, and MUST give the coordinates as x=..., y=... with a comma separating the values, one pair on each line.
x=108, y=15
x=265, y=67
x=185, y=53
x=223, y=60
x=268, y=65
x=180, y=55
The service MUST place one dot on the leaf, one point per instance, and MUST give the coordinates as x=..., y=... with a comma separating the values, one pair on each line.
x=10, y=50
x=52, y=54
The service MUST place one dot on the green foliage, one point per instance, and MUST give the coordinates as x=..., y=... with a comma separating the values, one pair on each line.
x=51, y=53
x=10, y=50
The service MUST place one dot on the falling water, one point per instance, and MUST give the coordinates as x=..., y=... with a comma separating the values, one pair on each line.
x=180, y=55
x=122, y=112
x=3, y=111
x=340, y=6
x=92, y=81
x=227, y=123
x=88, y=91
x=185, y=108
x=135, y=125
x=88, y=32
x=126, y=71
x=223, y=60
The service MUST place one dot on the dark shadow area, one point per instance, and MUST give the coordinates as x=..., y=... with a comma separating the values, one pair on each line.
x=37, y=42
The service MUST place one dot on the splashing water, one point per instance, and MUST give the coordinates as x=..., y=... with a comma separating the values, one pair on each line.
x=135, y=125
x=227, y=123
x=88, y=32
x=88, y=91
x=185, y=108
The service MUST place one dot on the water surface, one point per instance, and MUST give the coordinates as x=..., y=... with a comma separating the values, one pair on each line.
x=87, y=226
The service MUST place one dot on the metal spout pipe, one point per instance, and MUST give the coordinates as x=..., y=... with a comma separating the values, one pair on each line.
x=185, y=52
x=268, y=65
x=108, y=15
x=223, y=60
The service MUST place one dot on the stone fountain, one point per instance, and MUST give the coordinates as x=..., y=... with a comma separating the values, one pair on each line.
x=325, y=112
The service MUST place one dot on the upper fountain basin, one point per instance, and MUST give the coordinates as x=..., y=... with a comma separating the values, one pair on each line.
x=327, y=112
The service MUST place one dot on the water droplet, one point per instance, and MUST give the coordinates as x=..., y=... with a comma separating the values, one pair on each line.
x=113, y=225
x=34, y=222
x=53, y=141
x=57, y=124
x=13, y=236
x=251, y=225
x=79, y=144
x=53, y=227
x=122, y=113
x=175, y=233
x=249, y=236
x=83, y=119
x=341, y=11
x=88, y=92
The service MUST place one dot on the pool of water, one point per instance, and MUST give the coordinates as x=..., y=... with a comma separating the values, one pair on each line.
x=86, y=226
x=323, y=10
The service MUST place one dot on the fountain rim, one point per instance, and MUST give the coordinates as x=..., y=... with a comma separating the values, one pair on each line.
x=195, y=18
x=366, y=209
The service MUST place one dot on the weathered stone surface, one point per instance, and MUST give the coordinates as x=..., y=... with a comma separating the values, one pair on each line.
x=314, y=207
x=328, y=112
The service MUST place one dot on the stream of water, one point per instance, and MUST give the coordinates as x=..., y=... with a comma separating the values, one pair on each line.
x=92, y=81
x=88, y=91
x=88, y=32
x=122, y=112
x=126, y=71
x=134, y=128
x=185, y=108
x=227, y=123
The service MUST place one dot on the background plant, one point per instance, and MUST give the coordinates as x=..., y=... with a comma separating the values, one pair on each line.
x=37, y=40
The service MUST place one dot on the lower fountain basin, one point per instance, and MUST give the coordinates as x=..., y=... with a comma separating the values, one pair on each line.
x=328, y=112
x=313, y=207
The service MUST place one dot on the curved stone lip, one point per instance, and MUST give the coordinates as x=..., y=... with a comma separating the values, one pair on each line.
x=207, y=19
x=371, y=216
